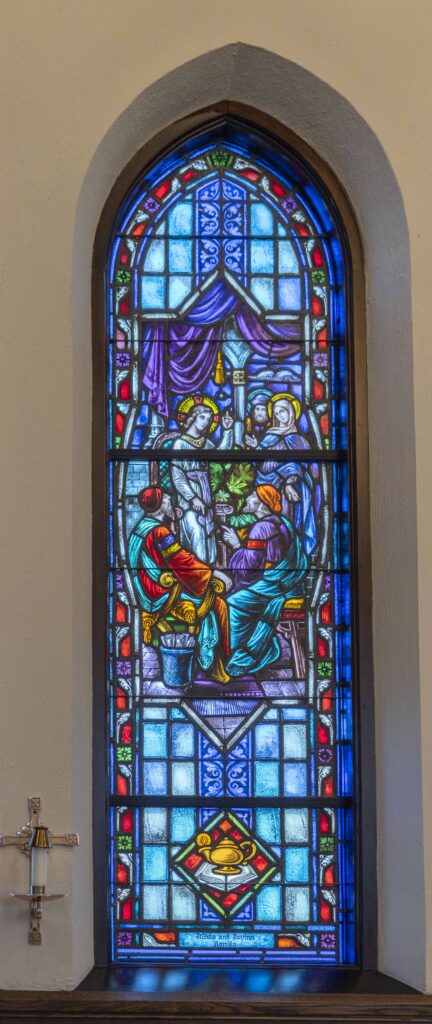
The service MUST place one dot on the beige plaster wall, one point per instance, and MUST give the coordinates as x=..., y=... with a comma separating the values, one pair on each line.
x=70, y=68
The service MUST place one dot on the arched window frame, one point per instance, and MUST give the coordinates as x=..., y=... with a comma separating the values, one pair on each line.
x=359, y=496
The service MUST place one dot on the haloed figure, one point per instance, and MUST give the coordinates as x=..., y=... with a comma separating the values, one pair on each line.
x=191, y=478
x=296, y=481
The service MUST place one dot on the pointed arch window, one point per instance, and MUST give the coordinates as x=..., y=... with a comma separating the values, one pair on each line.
x=229, y=561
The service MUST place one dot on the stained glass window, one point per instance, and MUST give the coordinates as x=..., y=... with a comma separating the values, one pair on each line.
x=229, y=688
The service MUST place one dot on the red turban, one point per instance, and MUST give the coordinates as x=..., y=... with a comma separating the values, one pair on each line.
x=150, y=499
x=270, y=497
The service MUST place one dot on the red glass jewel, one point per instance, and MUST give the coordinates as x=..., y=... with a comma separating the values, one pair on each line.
x=326, y=701
x=126, y=910
x=121, y=699
x=325, y=912
x=193, y=860
x=125, y=647
x=321, y=648
x=326, y=613
x=163, y=189
x=323, y=735
x=324, y=421
x=121, y=612
x=126, y=733
x=122, y=874
x=126, y=822
x=122, y=788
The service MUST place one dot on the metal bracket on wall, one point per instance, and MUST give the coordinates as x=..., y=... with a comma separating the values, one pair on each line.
x=34, y=840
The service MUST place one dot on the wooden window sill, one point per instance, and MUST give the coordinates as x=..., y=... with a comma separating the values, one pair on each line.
x=216, y=995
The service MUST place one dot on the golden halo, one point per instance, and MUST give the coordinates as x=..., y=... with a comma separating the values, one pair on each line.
x=188, y=404
x=290, y=398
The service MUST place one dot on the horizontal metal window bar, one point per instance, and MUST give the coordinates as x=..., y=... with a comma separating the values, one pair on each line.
x=231, y=802
x=314, y=570
x=205, y=236
x=223, y=455
x=316, y=345
x=173, y=315
x=172, y=700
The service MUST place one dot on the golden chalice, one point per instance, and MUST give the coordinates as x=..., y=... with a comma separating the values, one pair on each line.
x=226, y=855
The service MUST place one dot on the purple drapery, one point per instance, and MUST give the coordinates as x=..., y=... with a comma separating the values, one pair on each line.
x=174, y=363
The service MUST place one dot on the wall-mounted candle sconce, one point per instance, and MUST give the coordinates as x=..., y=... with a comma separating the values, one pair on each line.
x=35, y=840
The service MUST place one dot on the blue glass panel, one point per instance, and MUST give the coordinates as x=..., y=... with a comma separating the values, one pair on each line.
x=153, y=292
x=297, y=903
x=182, y=740
x=180, y=256
x=295, y=780
x=268, y=824
x=287, y=259
x=155, y=824
x=294, y=714
x=297, y=864
x=154, y=712
x=269, y=903
x=262, y=257
x=183, y=903
x=154, y=739
x=180, y=219
x=155, y=259
x=266, y=778
x=294, y=741
x=261, y=219
x=262, y=289
x=155, y=902
x=183, y=778
x=296, y=825
x=267, y=740
x=289, y=293
x=155, y=864
x=227, y=940
x=346, y=766
x=344, y=720
x=155, y=778
x=182, y=824
x=179, y=288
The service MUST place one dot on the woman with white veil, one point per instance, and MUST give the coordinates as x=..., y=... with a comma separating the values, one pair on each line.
x=295, y=480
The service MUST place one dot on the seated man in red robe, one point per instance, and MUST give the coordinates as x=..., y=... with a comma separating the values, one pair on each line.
x=175, y=588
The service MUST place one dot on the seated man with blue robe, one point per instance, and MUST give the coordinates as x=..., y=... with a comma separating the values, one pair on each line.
x=268, y=570
x=171, y=583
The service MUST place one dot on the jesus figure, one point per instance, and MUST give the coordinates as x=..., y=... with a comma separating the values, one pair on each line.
x=191, y=481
